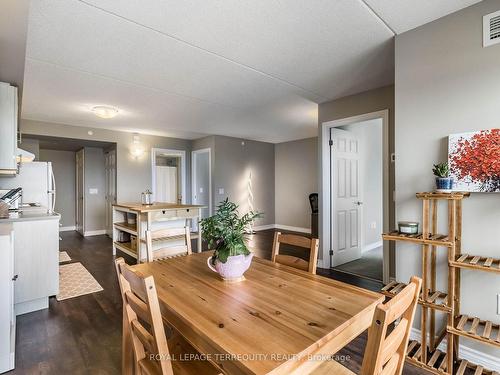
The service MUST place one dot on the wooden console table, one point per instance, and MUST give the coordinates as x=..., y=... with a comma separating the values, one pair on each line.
x=150, y=217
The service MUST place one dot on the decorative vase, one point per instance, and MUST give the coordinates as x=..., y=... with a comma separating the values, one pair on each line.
x=444, y=184
x=233, y=269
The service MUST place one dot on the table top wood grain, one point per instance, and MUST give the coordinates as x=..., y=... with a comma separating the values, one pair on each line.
x=259, y=325
x=157, y=206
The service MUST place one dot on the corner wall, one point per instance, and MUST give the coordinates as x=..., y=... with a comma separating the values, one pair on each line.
x=446, y=83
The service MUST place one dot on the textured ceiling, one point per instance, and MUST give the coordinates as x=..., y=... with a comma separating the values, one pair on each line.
x=250, y=69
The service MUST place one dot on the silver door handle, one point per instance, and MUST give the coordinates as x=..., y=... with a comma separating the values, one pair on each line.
x=358, y=203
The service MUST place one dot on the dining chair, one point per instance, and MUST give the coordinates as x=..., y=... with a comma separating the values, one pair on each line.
x=153, y=354
x=292, y=261
x=385, y=351
x=168, y=250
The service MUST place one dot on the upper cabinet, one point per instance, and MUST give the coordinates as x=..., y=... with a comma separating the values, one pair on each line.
x=8, y=129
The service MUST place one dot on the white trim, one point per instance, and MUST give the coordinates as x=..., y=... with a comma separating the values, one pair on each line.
x=170, y=152
x=282, y=227
x=94, y=232
x=67, y=229
x=193, y=176
x=371, y=246
x=325, y=238
x=475, y=356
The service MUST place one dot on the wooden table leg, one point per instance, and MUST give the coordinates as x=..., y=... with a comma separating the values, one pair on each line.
x=127, y=352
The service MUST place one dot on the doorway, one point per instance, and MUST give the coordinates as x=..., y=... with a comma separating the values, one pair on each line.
x=168, y=171
x=201, y=178
x=356, y=195
x=80, y=191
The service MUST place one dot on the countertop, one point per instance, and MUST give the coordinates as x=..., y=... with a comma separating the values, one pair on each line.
x=31, y=215
x=157, y=206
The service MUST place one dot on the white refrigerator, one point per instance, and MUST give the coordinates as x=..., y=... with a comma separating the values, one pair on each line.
x=38, y=184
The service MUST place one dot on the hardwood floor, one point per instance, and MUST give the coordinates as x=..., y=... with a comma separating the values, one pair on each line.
x=83, y=335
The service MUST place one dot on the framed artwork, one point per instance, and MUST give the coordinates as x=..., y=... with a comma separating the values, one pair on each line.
x=474, y=161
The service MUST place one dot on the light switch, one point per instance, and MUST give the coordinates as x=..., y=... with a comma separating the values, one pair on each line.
x=221, y=191
x=201, y=190
x=93, y=191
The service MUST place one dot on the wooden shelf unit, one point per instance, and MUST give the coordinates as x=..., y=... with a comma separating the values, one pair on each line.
x=151, y=217
x=431, y=300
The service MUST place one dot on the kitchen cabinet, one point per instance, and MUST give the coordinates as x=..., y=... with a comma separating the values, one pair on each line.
x=8, y=129
x=7, y=316
x=36, y=263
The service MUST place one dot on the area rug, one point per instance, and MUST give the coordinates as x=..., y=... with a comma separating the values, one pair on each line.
x=64, y=257
x=75, y=281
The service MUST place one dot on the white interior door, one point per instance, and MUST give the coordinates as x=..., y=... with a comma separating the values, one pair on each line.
x=346, y=213
x=110, y=167
x=80, y=189
x=166, y=184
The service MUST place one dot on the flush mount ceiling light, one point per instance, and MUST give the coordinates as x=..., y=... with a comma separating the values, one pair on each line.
x=104, y=111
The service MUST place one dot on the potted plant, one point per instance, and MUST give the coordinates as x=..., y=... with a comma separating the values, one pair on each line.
x=444, y=183
x=225, y=232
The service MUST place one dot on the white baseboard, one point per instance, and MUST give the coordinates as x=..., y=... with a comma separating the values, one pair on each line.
x=94, y=232
x=371, y=246
x=282, y=227
x=258, y=228
x=475, y=356
x=67, y=229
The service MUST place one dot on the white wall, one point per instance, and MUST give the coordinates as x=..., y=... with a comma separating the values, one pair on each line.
x=296, y=176
x=446, y=82
x=370, y=135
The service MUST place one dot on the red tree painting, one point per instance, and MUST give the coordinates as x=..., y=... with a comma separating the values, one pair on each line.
x=474, y=160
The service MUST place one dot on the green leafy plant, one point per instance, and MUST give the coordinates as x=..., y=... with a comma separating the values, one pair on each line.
x=226, y=230
x=441, y=170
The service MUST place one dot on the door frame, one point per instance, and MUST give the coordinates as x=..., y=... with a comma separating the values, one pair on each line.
x=193, y=176
x=326, y=204
x=169, y=152
x=82, y=152
x=109, y=212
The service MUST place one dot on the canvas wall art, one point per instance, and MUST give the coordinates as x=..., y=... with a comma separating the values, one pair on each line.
x=474, y=160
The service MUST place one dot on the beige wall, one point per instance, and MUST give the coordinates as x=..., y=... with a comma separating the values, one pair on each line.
x=296, y=176
x=354, y=105
x=63, y=166
x=232, y=164
x=446, y=82
x=133, y=175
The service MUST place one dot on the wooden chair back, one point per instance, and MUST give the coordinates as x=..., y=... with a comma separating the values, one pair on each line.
x=142, y=310
x=300, y=241
x=385, y=353
x=164, y=236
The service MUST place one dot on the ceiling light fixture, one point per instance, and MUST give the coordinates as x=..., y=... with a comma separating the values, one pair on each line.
x=104, y=111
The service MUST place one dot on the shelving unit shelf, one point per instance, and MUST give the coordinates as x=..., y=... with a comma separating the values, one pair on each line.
x=435, y=299
x=431, y=300
x=477, y=262
x=477, y=329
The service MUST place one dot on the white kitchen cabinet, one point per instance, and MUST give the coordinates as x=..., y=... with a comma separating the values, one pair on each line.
x=8, y=129
x=7, y=316
x=36, y=264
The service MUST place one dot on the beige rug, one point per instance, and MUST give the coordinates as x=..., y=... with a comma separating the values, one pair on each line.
x=64, y=257
x=75, y=280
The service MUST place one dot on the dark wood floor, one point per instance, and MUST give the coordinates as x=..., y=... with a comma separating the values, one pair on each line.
x=83, y=335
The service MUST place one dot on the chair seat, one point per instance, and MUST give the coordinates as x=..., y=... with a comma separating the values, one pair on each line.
x=332, y=368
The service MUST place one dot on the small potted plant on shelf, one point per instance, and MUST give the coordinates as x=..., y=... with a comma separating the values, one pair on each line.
x=444, y=183
x=225, y=232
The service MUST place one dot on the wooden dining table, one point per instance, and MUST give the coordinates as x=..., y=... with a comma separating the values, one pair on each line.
x=279, y=320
